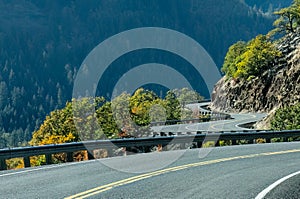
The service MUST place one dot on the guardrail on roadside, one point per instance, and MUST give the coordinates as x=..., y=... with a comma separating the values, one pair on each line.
x=213, y=116
x=70, y=148
x=196, y=101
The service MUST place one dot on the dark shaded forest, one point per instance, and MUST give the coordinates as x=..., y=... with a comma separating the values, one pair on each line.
x=43, y=43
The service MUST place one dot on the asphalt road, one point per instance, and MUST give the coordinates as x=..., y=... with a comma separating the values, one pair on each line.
x=226, y=172
x=233, y=124
x=214, y=126
x=287, y=189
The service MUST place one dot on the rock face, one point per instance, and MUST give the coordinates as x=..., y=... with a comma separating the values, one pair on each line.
x=277, y=87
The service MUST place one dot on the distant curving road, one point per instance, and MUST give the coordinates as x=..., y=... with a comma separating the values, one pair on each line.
x=226, y=172
x=228, y=125
x=233, y=124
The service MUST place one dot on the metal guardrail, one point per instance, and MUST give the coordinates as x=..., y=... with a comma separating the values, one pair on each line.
x=70, y=148
x=213, y=116
x=197, y=101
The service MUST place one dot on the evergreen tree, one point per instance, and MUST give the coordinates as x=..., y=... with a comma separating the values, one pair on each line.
x=289, y=18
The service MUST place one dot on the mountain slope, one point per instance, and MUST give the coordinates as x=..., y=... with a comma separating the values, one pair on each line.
x=275, y=88
x=43, y=43
x=268, y=5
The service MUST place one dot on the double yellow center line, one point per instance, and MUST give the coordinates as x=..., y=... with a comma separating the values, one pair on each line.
x=107, y=187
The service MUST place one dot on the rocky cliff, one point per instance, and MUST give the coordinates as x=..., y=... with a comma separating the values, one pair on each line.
x=276, y=87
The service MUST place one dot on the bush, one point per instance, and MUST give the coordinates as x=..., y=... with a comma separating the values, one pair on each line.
x=249, y=60
x=287, y=118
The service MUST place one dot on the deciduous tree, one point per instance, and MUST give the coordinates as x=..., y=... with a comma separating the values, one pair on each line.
x=256, y=57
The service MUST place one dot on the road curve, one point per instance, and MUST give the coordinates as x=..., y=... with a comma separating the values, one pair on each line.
x=234, y=124
x=226, y=172
x=286, y=187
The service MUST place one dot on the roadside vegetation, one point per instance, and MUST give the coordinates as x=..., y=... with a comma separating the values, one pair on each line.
x=43, y=44
x=131, y=115
x=287, y=118
x=246, y=60
x=125, y=116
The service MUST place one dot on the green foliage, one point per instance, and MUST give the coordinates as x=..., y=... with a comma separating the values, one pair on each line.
x=186, y=95
x=140, y=105
x=287, y=118
x=57, y=128
x=233, y=57
x=39, y=60
x=289, y=18
x=106, y=120
x=250, y=60
x=15, y=163
x=257, y=58
x=85, y=118
x=172, y=106
x=90, y=119
x=175, y=101
x=247, y=60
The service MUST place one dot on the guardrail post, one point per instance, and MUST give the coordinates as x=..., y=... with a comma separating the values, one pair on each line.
x=48, y=158
x=110, y=152
x=91, y=155
x=27, y=161
x=199, y=144
x=233, y=142
x=70, y=157
x=3, y=165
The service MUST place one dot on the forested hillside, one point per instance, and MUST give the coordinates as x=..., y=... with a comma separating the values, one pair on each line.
x=268, y=5
x=43, y=43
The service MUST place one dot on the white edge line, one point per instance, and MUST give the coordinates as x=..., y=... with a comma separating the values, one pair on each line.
x=262, y=194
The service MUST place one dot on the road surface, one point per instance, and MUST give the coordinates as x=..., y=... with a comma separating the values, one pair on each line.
x=226, y=172
x=234, y=124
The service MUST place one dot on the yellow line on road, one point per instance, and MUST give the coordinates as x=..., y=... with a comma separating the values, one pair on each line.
x=109, y=186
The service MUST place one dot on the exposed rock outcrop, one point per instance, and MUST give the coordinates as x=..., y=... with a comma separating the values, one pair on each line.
x=277, y=87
